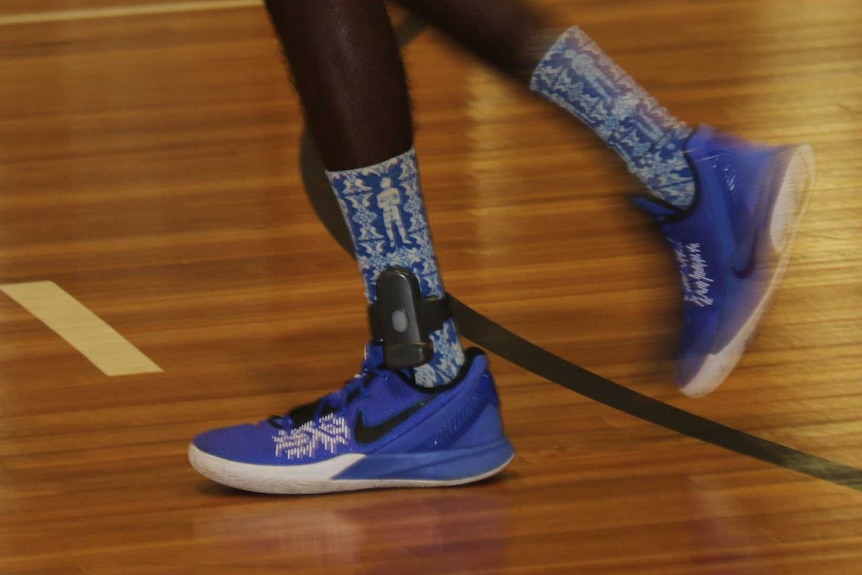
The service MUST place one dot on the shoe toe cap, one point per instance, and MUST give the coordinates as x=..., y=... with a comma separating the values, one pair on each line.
x=245, y=443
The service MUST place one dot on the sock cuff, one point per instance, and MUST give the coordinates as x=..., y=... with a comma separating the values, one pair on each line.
x=381, y=168
x=546, y=71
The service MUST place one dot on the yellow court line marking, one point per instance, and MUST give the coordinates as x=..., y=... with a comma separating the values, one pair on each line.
x=85, y=331
x=123, y=11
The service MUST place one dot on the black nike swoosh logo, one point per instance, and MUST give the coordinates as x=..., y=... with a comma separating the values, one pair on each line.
x=369, y=434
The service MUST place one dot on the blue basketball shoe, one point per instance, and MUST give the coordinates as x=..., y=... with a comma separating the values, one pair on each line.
x=732, y=246
x=380, y=430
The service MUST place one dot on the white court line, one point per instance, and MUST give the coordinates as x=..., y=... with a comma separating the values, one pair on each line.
x=82, y=329
x=123, y=11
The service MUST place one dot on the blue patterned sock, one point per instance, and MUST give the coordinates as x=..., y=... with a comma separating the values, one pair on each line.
x=576, y=75
x=383, y=208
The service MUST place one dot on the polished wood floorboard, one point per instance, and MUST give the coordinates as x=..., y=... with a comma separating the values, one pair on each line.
x=149, y=166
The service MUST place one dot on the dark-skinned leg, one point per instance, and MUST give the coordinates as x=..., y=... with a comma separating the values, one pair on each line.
x=348, y=72
x=350, y=78
x=510, y=35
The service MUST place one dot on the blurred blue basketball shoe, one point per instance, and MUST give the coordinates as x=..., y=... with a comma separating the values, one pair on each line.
x=380, y=430
x=732, y=246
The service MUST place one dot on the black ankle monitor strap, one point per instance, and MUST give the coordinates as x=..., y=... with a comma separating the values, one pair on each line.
x=404, y=320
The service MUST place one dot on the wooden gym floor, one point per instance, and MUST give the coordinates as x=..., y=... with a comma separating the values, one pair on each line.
x=152, y=168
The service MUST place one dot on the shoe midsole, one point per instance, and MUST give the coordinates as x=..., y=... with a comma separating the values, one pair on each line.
x=444, y=466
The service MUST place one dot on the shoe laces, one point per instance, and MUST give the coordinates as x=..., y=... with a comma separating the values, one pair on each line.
x=336, y=402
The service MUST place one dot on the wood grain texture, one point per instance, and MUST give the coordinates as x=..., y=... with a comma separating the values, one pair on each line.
x=149, y=167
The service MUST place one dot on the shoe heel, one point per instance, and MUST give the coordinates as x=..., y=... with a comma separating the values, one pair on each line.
x=792, y=198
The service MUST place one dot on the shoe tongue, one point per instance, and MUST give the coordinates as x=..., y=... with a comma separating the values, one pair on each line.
x=304, y=413
x=373, y=359
x=659, y=209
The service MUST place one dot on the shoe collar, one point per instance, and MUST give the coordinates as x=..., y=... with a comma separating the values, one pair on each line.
x=662, y=210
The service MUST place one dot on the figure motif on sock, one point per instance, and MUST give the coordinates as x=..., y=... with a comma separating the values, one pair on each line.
x=385, y=213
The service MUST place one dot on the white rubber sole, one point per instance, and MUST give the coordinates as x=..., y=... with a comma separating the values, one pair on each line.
x=306, y=479
x=790, y=205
